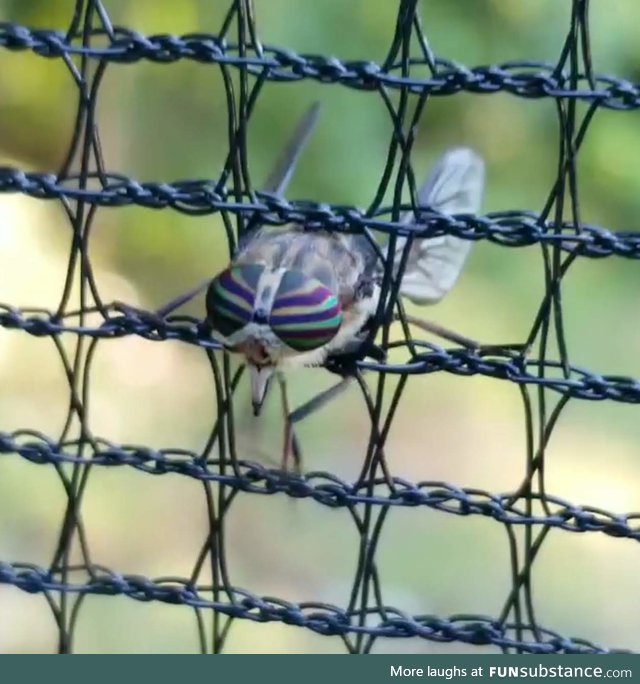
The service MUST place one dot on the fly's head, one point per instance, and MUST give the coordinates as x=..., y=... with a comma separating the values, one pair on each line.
x=269, y=315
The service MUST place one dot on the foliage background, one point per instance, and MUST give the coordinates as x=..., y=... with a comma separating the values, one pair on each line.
x=168, y=123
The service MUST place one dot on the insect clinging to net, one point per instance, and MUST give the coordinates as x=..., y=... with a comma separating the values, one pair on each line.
x=297, y=298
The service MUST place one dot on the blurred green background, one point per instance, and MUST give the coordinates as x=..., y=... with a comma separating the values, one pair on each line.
x=167, y=123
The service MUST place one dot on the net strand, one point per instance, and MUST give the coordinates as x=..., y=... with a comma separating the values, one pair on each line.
x=507, y=228
x=527, y=79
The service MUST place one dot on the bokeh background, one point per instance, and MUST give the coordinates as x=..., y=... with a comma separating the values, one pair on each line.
x=167, y=123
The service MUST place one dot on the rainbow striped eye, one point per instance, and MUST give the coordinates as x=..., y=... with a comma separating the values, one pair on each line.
x=231, y=297
x=305, y=314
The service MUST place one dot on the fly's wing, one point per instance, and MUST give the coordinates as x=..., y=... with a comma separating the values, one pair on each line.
x=455, y=186
x=282, y=172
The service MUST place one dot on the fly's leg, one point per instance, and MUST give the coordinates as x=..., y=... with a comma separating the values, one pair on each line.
x=158, y=315
x=456, y=338
x=291, y=448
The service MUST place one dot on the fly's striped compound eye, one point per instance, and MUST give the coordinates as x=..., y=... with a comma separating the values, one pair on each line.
x=231, y=298
x=305, y=314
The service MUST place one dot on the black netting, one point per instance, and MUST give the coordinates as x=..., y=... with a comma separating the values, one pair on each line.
x=404, y=81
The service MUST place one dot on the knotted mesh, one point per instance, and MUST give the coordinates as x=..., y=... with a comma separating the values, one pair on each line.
x=407, y=81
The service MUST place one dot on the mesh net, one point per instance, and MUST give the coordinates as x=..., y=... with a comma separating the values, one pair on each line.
x=408, y=78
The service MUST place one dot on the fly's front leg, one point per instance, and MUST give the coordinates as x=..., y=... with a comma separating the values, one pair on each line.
x=161, y=313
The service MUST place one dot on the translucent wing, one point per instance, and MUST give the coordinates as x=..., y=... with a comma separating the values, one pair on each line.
x=282, y=172
x=455, y=186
